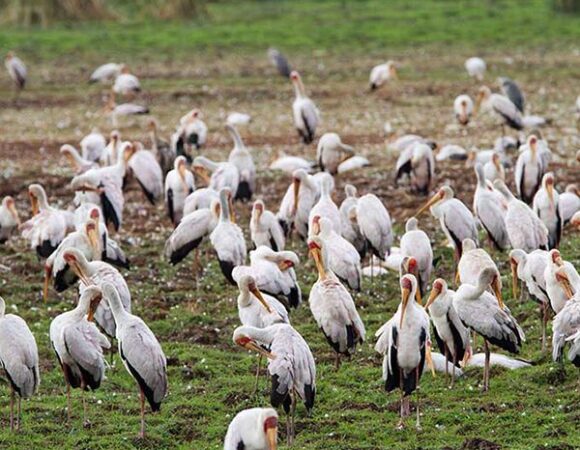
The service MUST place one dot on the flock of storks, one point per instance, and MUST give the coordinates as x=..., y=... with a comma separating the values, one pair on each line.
x=78, y=251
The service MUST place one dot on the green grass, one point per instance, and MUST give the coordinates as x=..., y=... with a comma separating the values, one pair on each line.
x=297, y=26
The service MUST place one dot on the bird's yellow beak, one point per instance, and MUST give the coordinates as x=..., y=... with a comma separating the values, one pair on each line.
x=249, y=344
x=181, y=171
x=93, y=235
x=478, y=101
x=393, y=72
x=33, y=203
x=14, y=212
x=272, y=438
x=550, y=191
x=432, y=296
x=285, y=265
x=562, y=278
x=434, y=200
x=515, y=280
x=201, y=172
x=46, y=284
x=497, y=291
x=93, y=307
x=296, y=183
x=254, y=290
x=79, y=272
x=317, y=257
x=429, y=359
x=405, y=293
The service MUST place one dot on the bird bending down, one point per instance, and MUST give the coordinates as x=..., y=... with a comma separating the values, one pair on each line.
x=404, y=342
x=79, y=345
x=141, y=353
x=265, y=228
x=333, y=307
x=486, y=315
x=19, y=359
x=291, y=366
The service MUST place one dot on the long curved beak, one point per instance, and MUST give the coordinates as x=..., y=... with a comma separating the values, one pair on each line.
x=434, y=200
x=34, y=204
x=315, y=252
x=253, y=346
x=429, y=359
x=93, y=307
x=46, y=284
x=285, y=265
x=254, y=290
x=201, y=172
x=550, y=191
x=232, y=210
x=514, y=266
x=181, y=170
x=497, y=291
x=405, y=300
x=564, y=281
x=272, y=438
x=79, y=273
x=432, y=297
x=94, y=239
x=478, y=101
x=296, y=192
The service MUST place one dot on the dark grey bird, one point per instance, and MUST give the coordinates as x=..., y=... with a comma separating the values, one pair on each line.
x=512, y=91
x=279, y=60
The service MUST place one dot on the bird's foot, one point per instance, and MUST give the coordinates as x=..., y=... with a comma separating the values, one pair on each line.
x=87, y=424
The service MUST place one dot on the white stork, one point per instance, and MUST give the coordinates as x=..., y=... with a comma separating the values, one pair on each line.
x=529, y=171
x=105, y=73
x=569, y=203
x=141, y=353
x=97, y=273
x=115, y=110
x=9, y=219
x=416, y=243
x=474, y=261
x=331, y=152
x=126, y=83
x=342, y=257
x=147, y=171
x=242, y=159
x=305, y=112
x=450, y=334
x=93, y=145
x=107, y=182
x=486, y=315
x=179, y=183
x=325, y=206
x=192, y=131
x=382, y=73
x=289, y=164
x=86, y=241
x=48, y=225
x=463, y=108
x=18, y=358
x=566, y=325
x=297, y=202
x=111, y=152
x=545, y=205
x=491, y=215
x=332, y=305
x=265, y=228
x=529, y=268
x=274, y=274
x=501, y=105
x=374, y=223
x=451, y=152
x=455, y=219
x=254, y=428
x=524, y=228
x=16, y=70
x=227, y=239
x=190, y=232
x=76, y=161
x=79, y=345
x=475, y=67
x=404, y=342
x=493, y=169
x=223, y=174
x=200, y=198
x=418, y=163
x=350, y=230
x=291, y=366
x=554, y=273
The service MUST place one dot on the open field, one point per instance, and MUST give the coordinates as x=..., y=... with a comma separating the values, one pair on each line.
x=210, y=379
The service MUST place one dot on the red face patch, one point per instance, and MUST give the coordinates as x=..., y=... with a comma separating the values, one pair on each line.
x=269, y=423
x=412, y=264
x=438, y=286
x=555, y=255
x=312, y=245
x=69, y=258
x=95, y=213
x=289, y=263
x=243, y=341
x=406, y=283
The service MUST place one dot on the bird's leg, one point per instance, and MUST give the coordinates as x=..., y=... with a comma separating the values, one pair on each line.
x=293, y=416
x=453, y=371
x=337, y=361
x=372, y=272
x=473, y=336
x=257, y=376
x=19, y=413
x=86, y=422
x=11, y=409
x=142, y=400
x=401, y=423
x=418, y=423
x=446, y=366
x=544, y=324
x=68, y=403
x=486, y=367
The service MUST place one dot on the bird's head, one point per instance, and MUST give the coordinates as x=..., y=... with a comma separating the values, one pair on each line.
x=548, y=182
x=556, y=257
x=408, y=284
x=9, y=56
x=442, y=194
x=36, y=194
x=248, y=283
x=516, y=257
x=482, y=94
x=93, y=296
x=439, y=288
x=92, y=232
x=270, y=425
x=152, y=124
x=315, y=247
x=294, y=76
x=242, y=339
x=564, y=281
x=316, y=225
x=78, y=263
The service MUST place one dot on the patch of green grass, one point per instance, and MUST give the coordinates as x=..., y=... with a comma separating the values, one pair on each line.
x=361, y=26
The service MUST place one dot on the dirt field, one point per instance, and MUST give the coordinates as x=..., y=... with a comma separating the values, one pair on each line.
x=210, y=380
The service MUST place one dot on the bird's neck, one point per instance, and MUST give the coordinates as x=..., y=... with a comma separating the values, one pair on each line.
x=299, y=89
x=2, y=307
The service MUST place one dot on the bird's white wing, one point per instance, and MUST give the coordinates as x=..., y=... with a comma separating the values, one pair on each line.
x=85, y=343
x=148, y=173
x=188, y=234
